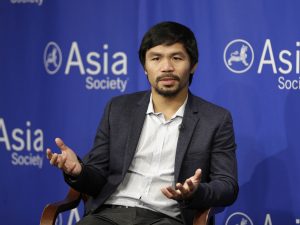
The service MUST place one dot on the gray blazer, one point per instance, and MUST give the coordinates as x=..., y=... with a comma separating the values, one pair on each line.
x=206, y=141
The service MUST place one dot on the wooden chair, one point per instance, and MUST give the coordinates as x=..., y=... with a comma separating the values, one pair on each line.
x=73, y=199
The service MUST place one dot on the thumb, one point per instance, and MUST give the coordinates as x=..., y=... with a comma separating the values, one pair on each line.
x=197, y=175
x=59, y=142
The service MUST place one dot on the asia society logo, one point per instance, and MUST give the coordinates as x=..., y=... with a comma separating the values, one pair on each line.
x=68, y=219
x=52, y=58
x=24, y=143
x=282, y=64
x=239, y=218
x=102, y=69
x=238, y=56
x=59, y=220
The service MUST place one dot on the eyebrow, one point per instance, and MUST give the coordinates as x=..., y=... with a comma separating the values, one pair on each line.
x=159, y=53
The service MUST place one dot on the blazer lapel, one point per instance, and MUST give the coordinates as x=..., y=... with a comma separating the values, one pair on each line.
x=189, y=122
x=136, y=122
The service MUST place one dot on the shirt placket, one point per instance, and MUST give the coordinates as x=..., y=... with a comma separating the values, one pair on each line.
x=159, y=138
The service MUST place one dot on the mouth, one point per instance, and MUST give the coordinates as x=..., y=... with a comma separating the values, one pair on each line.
x=168, y=80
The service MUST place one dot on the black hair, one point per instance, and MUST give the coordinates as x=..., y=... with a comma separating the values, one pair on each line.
x=169, y=33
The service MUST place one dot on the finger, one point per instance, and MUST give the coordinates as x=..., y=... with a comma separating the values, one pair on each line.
x=53, y=160
x=190, y=185
x=166, y=193
x=59, y=142
x=184, y=191
x=49, y=153
x=61, y=160
x=176, y=193
x=197, y=175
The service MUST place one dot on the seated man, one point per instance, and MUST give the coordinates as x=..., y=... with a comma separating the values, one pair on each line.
x=168, y=154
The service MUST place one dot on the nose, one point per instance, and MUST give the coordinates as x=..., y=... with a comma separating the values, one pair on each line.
x=167, y=66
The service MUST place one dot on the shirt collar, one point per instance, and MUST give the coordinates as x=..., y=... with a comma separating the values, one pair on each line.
x=179, y=112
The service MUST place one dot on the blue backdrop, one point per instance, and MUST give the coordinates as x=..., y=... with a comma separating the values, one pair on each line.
x=61, y=61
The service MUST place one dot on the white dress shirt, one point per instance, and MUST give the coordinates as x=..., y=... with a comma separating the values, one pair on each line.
x=152, y=166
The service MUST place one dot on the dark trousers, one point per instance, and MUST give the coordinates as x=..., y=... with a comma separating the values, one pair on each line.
x=118, y=215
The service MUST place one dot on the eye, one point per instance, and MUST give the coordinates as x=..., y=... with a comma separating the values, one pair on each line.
x=177, y=58
x=155, y=58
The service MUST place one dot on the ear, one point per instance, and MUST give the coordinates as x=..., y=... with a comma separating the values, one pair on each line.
x=194, y=68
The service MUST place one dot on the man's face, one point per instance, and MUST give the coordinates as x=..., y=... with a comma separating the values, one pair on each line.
x=168, y=69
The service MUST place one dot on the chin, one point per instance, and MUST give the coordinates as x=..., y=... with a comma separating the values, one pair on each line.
x=168, y=93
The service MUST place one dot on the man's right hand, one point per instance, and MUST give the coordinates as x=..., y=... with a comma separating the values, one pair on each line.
x=67, y=161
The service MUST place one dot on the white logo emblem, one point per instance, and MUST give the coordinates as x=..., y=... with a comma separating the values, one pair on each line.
x=52, y=58
x=238, y=56
x=238, y=218
x=59, y=220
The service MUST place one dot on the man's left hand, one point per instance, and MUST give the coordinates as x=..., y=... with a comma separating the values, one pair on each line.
x=183, y=191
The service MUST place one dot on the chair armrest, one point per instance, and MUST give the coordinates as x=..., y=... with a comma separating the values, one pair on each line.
x=202, y=217
x=52, y=210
